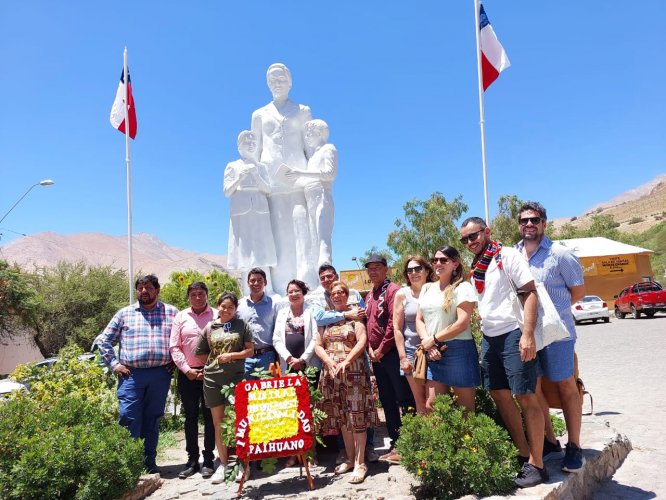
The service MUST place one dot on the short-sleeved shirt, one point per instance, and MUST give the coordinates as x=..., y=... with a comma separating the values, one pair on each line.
x=495, y=309
x=260, y=319
x=437, y=318
x=558, y=269
x=220, y=338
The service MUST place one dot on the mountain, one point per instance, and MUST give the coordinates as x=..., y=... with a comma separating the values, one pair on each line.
x=635, y=210
x=151, y=255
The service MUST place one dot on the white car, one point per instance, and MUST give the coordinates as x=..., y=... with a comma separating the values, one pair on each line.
x=8, y=386
x=590, y=308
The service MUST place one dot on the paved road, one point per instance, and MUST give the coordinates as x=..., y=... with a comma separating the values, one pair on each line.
x=623, y=365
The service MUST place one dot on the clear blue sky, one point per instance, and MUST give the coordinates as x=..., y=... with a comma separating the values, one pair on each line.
x=577, y=119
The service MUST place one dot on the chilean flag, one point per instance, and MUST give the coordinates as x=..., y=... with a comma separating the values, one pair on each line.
x=493, y=58
x=118, y=109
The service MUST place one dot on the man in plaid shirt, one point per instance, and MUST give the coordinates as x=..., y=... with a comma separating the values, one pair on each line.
x=143, y=365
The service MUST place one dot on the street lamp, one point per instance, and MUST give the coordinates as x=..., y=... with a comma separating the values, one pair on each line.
x=45, y=182
x=357, y=264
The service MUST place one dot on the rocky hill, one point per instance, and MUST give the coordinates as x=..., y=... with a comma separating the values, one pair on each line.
x=151, y=255
x=635, y=210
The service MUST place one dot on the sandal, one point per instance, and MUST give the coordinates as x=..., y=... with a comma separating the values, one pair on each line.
x=359, y=474
x=343, y=468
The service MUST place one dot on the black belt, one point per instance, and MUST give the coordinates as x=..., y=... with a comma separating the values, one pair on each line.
x=263, y=350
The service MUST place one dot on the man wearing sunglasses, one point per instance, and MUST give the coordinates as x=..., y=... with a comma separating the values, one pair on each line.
x=508, y=354
x=559, y=270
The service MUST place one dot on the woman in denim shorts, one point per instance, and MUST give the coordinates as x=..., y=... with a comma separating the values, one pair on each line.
x=417, y=272
x=443, y=319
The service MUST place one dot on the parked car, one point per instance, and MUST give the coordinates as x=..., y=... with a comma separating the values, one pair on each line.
x=646, y=297
x=8, y=386
x=591, y=308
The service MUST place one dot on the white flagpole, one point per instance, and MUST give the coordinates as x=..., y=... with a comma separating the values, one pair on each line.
x=130, y=270
x=481, y=115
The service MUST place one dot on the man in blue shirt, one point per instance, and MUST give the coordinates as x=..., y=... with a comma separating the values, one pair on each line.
x=559, y=270
x=258, y=310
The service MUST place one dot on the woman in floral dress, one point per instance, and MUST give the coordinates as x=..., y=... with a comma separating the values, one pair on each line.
x=345, y=386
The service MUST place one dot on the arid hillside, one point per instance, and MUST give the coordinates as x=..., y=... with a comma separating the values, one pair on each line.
x=635, y=210
x=151, y=255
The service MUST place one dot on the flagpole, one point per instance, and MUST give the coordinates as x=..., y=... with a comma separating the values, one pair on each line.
x=481, y=111
x=130, y=270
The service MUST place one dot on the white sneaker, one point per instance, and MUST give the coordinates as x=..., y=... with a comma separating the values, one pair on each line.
x=219, y=475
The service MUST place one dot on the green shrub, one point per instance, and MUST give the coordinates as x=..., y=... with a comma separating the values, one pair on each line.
x=455, y=456
x=61, y=439
x=68, y=448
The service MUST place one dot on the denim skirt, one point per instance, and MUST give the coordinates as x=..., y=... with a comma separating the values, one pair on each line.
x=459, y=366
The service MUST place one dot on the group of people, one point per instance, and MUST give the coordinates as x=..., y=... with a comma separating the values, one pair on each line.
x=351, y=338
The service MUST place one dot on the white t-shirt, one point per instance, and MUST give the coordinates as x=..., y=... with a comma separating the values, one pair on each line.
x=431, y=302
x=497, y=317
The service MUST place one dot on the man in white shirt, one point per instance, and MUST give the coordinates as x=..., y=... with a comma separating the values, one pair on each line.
x=508, y=354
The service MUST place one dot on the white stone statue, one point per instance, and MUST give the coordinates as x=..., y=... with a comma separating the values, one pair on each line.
x=317, y=185
x=246, y=181
x=279, y=128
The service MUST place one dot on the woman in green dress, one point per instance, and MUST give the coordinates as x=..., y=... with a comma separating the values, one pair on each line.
x=228, y=341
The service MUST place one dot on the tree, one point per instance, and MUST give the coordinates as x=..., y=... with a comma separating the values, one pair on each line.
x=604, y=225
x=505, y=224
x=18, y=303
x=426, y=226
x=76, y=303
x=175, y=291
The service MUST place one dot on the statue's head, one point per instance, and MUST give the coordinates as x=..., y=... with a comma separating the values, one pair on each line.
x=278, y=79
x=247, y=144
x=316, y=133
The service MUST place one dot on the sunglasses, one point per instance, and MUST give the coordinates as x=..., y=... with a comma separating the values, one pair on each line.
x=415, y=269
x=471, y=237
x=534, y=220
x=440, y=260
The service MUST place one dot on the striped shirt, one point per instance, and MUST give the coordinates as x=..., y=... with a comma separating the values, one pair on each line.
x=558, y=269
x=143, y=336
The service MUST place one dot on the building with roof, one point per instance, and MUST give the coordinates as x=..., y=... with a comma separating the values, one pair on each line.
x=608, y=265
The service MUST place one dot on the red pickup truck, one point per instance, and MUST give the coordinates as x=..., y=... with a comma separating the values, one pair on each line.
x=646, y=297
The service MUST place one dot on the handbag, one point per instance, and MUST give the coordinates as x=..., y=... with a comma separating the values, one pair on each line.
x=553, y=396
x=549, y=326
x=420, y=366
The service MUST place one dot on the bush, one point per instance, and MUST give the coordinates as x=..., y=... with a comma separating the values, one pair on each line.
x=455, y=456
x=70, y=375
x=68, y=449
x=61, y=439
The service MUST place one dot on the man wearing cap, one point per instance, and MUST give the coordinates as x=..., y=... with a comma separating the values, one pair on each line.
x=393, y=388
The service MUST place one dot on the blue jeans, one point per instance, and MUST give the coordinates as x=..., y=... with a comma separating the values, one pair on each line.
x=262, y=360
x=141, y=397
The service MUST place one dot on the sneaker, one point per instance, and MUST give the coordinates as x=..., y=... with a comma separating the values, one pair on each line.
x=371, y=455
x=573, y=459
x=207, y=469
x=552, y=451
x=219, y=475
x=530, y=476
